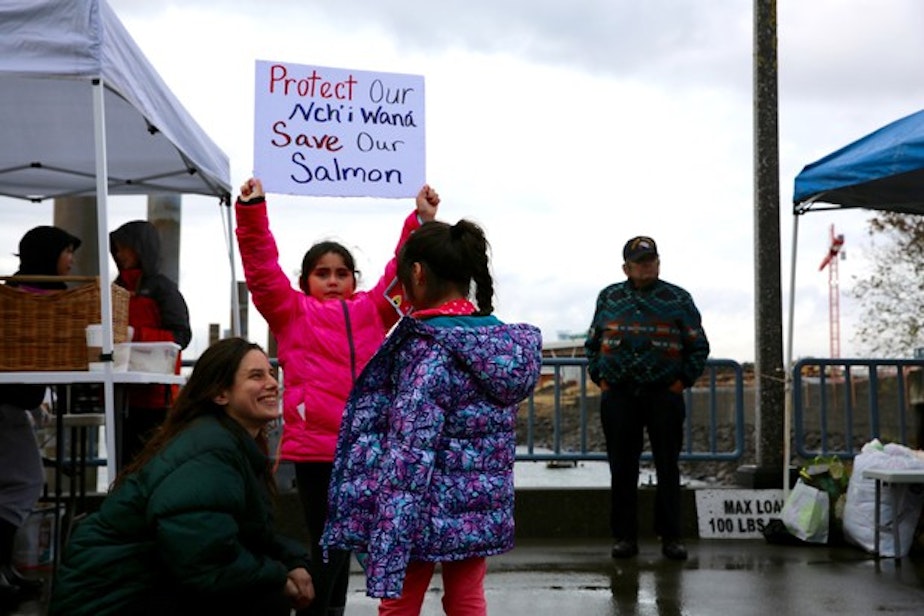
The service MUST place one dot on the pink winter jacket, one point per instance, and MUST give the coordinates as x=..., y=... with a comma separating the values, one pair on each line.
x=319, y=351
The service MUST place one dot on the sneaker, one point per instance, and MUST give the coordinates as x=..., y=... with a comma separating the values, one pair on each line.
x=624, y=549
x=674, y=550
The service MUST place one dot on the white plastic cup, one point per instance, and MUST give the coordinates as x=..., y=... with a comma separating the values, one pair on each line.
x=95, y=335
x=120, y=352
x=94, y=345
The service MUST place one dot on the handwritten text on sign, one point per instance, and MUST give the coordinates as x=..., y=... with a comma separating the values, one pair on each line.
x=336, y=132
x=736, y=514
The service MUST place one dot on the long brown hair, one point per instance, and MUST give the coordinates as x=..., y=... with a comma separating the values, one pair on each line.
x=212, y=374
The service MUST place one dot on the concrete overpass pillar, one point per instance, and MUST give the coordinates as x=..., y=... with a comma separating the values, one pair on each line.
x=77, y=215
x=164, y=212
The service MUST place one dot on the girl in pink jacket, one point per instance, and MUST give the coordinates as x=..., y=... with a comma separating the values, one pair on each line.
x=325, y=333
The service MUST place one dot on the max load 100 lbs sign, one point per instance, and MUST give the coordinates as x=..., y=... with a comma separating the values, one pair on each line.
x=736, y=514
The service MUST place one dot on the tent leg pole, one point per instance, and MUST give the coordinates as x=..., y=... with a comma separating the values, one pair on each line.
x=787, y=372
x=235, y=306
x=105, y=291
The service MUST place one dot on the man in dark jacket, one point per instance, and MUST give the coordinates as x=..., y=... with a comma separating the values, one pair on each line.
x=646, y=345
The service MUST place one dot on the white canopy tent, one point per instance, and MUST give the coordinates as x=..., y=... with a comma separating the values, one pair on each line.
x=84, y=113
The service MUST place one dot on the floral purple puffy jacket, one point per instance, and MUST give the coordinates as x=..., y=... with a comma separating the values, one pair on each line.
x=424, y=462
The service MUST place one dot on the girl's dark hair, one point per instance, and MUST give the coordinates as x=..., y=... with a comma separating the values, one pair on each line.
x=212, y=374
x=453, y=256
x=39, y=250
x=315, y=253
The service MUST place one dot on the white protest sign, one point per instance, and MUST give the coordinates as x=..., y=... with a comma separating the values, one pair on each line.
x=336, y=132
x=736, y=514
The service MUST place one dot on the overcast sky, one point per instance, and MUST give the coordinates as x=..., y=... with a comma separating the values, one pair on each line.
x=563, y=128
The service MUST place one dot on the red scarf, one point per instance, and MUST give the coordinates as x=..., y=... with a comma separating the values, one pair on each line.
x=452, y=308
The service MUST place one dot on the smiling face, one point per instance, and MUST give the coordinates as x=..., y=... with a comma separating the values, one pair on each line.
x=253, y=400
x=330, y=278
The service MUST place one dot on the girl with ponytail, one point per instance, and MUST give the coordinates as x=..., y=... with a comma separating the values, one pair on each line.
x=423, y=472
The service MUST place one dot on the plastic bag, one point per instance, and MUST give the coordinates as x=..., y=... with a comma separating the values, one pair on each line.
x=860, y=510
x=805, y=513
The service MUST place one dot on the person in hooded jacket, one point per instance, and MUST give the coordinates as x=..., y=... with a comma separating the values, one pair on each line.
x=326, y=331
x=424, y=466
x=157, y=312
x=43, y=251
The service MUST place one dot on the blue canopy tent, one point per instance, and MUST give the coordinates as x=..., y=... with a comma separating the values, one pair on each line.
x=882, y=171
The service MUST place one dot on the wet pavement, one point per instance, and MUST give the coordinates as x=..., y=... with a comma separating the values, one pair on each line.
x=574, y=574
x=737, y=577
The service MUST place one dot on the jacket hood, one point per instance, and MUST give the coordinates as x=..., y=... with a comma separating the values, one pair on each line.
x=505, y=359
x=40, y=248
x=142, y=237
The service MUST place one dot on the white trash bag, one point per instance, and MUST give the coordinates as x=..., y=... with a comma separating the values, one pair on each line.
x=860, y=509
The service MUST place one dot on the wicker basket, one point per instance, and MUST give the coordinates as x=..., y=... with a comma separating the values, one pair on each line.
x=47, y=331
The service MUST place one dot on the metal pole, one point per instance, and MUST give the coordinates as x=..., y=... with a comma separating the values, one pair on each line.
x=787, y=394
x=102, y=193
x=768, y=369
x=235, y=306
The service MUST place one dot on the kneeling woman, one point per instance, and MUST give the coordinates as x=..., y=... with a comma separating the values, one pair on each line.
x=187, y=528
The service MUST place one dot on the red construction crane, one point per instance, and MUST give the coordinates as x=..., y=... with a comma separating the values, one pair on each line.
x=834, y=314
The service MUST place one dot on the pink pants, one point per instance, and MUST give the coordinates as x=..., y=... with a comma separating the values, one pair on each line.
x=463, y=589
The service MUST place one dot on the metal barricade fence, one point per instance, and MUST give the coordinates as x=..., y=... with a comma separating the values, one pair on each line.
x=560, y=421
x=841, y=404
x=838, y=405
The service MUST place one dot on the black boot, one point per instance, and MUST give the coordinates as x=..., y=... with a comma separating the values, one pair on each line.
x=11, y=580
x=13, y=577
x=9, y=593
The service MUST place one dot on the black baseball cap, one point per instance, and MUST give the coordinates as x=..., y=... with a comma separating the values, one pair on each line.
x=639, y=247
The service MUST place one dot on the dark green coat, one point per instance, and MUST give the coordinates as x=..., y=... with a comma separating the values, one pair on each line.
x=196, y=518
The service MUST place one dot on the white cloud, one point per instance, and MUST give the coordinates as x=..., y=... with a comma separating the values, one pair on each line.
x=562, y=128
